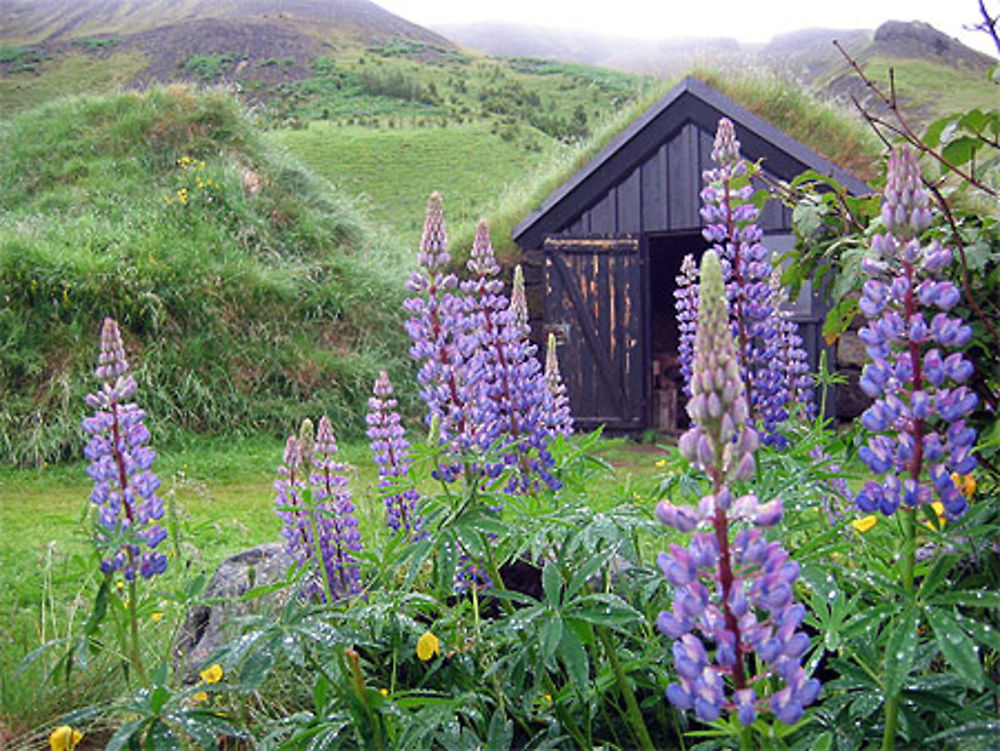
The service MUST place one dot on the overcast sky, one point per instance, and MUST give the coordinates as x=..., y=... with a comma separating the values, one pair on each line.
x=746, y=20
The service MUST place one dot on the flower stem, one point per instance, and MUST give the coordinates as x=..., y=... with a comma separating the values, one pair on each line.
x=135, y=651
x=631, y=706
x=909, y=563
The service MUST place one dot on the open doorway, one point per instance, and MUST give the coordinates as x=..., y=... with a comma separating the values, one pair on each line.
x=665, y=253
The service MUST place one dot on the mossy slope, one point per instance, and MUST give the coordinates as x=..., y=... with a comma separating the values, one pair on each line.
x=251, y=294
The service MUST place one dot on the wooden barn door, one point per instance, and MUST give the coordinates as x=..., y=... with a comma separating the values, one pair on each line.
x=593, y=304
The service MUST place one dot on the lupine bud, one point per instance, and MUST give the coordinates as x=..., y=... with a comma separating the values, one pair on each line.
x=560, y=418
x=391, y=453
x=730, y=598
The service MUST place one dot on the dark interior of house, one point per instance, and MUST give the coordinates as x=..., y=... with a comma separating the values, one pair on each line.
x=666, y=252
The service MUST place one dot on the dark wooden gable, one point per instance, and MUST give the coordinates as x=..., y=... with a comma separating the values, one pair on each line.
x=591, y=248
x=648, y=179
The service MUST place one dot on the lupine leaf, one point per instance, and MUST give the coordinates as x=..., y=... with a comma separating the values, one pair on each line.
x=575, y=658
x=551, y=584
x=983, y=633
x=549, y=637
x=900, y=652
x=957, y=648
x=124, y=734
x=970, y=599
x=501, y=734
x=161, y=737
x=988, y=730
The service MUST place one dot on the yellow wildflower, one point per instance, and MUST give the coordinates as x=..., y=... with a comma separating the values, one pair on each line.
x=864, y=523
x=157, y=616
x=64, y=738
x=200, y=696
x=661, y=463
x=384, y=691
x=965, y=483
x=428, y=646
x=212, y=674
x=938, y=509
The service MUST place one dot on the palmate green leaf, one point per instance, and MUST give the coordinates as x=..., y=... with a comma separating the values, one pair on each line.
x=603, y=609
x=158, y=697
x=971, y=731
x=969, y=598
x=256, y=668
x=549, y=637
x=575, y=658
x=583, y=574
x=551, y=584
x=865, y=705
x=124, y=734
x=983, y=633
x=197, y=730
x=501, y=732
x=957, y=648
x=161, y=737
x=900, y=651
x=937, y=576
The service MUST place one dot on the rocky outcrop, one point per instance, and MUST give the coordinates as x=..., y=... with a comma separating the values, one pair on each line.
x=919, y=40
x=207, y=627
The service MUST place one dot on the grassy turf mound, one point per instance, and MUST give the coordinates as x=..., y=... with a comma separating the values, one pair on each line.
x=250, y=293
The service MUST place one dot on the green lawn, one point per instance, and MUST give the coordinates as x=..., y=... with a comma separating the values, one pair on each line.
x=221, y=492
x=398, y=168
x=940, y=90
x=67, y=75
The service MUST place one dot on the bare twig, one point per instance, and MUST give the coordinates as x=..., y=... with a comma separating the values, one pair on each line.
x=960, y=245
x=989, y=24
x=904, y=130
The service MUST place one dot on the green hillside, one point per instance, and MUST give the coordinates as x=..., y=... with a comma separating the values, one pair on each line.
x=250, y=291
x=397, y=168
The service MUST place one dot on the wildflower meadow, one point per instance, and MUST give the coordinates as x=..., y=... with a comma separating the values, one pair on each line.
x=779, y=582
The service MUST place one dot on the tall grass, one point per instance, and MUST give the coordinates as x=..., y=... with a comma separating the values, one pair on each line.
x=251, y=292
x=831, y=130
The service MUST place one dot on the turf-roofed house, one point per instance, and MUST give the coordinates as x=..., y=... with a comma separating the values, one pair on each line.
x=603, y=251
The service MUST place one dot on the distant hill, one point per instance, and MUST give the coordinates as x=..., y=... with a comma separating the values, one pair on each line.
x=54, y=47
x=665, y=57
x=939, y=72
x=47, y=21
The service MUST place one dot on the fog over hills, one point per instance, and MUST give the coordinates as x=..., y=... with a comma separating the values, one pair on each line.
x=807, y=55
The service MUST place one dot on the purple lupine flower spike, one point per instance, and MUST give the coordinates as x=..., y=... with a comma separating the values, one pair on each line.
x=391, y=452
x=560, y=416
x=732, y=594
x=509, y=398
x=919, y=434
x=290, y=504
x=336, y=522
x=128, y=507
x=437, y=327
x=686, y=303
x=769, y=350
